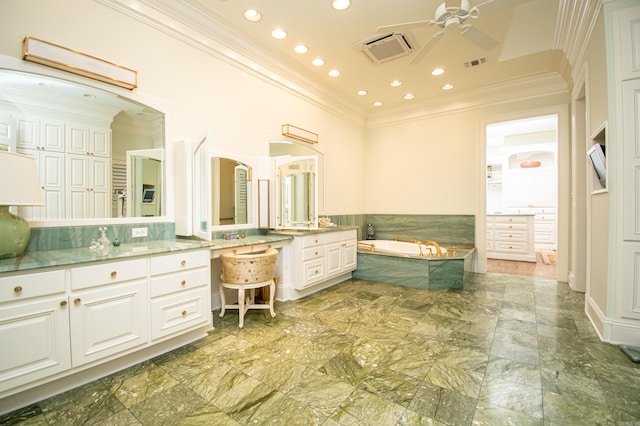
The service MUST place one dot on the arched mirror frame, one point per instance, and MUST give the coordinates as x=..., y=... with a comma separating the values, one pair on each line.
x=205, y=189
x=8, y=63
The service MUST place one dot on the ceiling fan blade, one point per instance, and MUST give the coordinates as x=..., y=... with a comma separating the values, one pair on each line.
x=477, y=37
x=406, y=25
x=425, y=48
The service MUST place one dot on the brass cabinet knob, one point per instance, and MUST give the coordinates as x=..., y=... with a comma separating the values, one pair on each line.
x=183, y=283
x=17, y=289
x=113, y=274
x=183, y=263
x=184, y=313
x=77, y=301
x=63, y=303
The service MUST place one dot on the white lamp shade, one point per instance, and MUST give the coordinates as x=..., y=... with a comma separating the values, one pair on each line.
x=19, y=184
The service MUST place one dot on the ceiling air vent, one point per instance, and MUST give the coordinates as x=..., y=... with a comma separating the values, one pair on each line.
x=382, y=48
x=475, y=62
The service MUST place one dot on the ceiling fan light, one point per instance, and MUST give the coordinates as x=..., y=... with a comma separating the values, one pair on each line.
x=340, y=4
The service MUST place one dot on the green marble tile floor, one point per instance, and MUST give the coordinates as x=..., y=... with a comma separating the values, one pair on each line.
x=504, y=350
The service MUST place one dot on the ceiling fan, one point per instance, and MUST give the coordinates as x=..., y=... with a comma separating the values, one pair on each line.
x=446, y=17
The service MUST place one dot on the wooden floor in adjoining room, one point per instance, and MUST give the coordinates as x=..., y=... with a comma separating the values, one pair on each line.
x=531, y=269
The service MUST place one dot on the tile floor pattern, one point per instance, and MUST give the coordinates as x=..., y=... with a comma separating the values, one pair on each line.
x=504, y=350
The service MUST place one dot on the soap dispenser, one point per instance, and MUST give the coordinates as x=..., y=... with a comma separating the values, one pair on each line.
x=104, y=241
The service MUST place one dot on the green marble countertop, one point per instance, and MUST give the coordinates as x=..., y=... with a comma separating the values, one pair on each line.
x=302, y=232
x=65, y=257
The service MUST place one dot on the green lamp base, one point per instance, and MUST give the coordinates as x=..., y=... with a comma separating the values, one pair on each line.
x=15, y=234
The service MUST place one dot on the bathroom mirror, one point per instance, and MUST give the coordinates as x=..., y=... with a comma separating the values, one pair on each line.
x=82, y=138
x=297, y=192
x=283, y=146
x=223, y=191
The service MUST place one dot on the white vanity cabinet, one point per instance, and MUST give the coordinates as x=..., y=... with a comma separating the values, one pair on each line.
x=108, y=309
x=34, y=327
x=323, y=256
x=82, y=322
x=511, y=237
x=180, y=294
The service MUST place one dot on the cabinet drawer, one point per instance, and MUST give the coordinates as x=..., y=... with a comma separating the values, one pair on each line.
x=20, y=287
x=107, y=273
x=313, y=253
x=545, y=227
x=511, y=219
x=511, y=226
x=511, y=235
x=313, y=271
x=515, y=247
x=545, y=238
x=179, y=281
x=312, y=241
x=490, y=245
x=179, y=261
x=179, y=311
x=490, y=234
x=541, y=218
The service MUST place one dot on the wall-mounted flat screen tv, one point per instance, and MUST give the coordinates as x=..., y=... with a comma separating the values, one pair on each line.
x=597, y=156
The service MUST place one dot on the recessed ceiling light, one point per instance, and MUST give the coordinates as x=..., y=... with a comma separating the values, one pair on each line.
x=409, y=96
x=362, y=92
x=340, y=4
x=447, y=86
x=377, y=104
x=437, y=71
x=252, y=15
x=396, y=83
x=279, y=33
x=318, y=62
x=301, y=48
x=334, y=73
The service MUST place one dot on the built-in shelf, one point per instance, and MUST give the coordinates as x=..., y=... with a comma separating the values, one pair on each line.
x=597, y=162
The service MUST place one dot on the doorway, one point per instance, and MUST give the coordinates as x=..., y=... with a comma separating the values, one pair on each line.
x=521, y=196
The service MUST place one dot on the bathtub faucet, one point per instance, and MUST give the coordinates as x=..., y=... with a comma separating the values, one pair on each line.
x=436, y=245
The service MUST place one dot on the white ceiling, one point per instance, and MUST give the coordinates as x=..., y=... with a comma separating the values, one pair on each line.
x=525, y=31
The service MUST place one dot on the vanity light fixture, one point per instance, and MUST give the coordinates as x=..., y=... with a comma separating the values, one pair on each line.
x=437, y=71
x=318, y=62
x=21, y=188
x=334, y=73
x=340, y=4
x=447, y=86
x=252, y=15
x=62, y=58
x=299, y=133
x=301, y=48
x=279, y=34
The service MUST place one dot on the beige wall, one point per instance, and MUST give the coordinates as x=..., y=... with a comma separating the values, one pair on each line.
x=198, y=90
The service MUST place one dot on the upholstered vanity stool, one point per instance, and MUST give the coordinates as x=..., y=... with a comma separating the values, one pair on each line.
x=247, y=272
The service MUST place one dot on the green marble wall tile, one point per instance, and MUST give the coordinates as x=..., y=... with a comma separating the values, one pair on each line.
x=67, y=237
x=443, y=229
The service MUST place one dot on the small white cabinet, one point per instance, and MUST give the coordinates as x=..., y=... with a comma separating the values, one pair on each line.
x=510, y=237
x=323, y=256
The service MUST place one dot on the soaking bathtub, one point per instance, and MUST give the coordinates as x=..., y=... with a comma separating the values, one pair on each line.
x=399, y=262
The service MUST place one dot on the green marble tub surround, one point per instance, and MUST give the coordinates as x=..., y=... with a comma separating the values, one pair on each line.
x=446, y=230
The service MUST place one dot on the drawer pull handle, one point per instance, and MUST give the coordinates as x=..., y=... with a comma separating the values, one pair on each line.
x=183, y=283
x=510, y=236
x=184, y=313
x=17, y=289
x=510, y=247
x=63, y=303
x=183, y=263
x=316, y=253
x=510, y=226
x=113, y=274
x=77, y=300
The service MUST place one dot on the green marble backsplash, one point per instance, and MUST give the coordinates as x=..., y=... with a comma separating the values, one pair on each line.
x=443, y=229
x=66, y=237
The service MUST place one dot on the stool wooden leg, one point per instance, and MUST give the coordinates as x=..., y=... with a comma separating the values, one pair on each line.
x=272, y=295
x=241, y=310
x=223, y=301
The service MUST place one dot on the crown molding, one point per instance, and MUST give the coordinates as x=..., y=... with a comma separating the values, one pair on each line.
x=541, y=85
x=196, y=25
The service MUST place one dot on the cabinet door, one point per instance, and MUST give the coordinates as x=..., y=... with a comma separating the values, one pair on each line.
x=334, y=259
x=107, y=321
x=51, y=167
x=77, y=172
x=78, y=139
x=101, y=142
x=517, y=188
x=543, y=187
x=28, y=133
x=52, y=135
x=35, y=341
x=100, y=187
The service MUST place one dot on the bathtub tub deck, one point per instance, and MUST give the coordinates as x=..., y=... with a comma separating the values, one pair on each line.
x=429, y=273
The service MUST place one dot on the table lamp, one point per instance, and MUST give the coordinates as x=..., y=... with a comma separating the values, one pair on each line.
x=19, y=186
